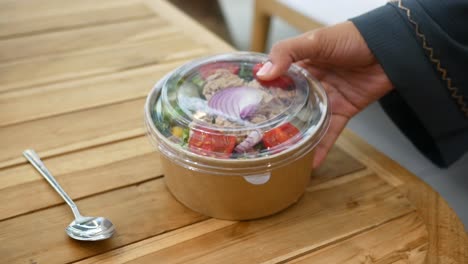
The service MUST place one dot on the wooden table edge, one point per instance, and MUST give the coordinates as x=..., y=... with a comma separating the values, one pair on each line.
x=443, y=224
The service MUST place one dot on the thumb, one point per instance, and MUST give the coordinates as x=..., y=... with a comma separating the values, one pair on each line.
x=288, y=51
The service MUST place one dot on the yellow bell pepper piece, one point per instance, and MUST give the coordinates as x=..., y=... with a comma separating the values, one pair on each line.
x=177, y=131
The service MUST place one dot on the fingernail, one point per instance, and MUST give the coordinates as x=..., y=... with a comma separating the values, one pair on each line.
x=265, y=68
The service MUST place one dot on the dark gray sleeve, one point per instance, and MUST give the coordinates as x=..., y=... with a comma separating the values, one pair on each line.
x=423, y=48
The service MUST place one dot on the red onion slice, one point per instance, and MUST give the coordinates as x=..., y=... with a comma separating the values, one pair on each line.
x=251, y=140
x=237, y=102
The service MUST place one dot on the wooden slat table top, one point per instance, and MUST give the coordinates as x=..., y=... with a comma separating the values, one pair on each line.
x=73, y=80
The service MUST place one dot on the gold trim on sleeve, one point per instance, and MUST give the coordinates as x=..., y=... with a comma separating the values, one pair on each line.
x=443, y=72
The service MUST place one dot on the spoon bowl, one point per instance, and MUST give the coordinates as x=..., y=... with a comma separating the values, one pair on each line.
x=84, y=228
x=90, y=229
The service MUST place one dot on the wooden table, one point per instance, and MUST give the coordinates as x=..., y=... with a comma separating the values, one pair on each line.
x=73, y=81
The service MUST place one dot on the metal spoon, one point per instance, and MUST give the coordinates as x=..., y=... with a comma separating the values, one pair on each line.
x=83, y=227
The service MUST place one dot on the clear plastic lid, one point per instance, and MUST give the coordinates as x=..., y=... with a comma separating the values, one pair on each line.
x=217, y=107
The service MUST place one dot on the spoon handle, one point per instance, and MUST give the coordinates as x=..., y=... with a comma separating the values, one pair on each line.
x=34, y=159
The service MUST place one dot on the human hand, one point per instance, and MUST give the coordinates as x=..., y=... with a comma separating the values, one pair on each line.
x=339, y=57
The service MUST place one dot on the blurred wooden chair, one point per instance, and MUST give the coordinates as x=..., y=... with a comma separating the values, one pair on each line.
x=305, y=15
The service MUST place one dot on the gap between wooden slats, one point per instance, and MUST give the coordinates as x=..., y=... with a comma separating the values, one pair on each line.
x=36, y=26
x=83, y=39
x=114, y=166
x=82, y=174
x=84, y=64
x=67, y=97
x=321, y=216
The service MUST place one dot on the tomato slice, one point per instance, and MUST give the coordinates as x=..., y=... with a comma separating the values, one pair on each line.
x=208, y=69
x=211, y=143
x=279, y=135
x=284, y=82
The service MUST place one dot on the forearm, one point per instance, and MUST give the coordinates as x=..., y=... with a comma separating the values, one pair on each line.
x=421, y=45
